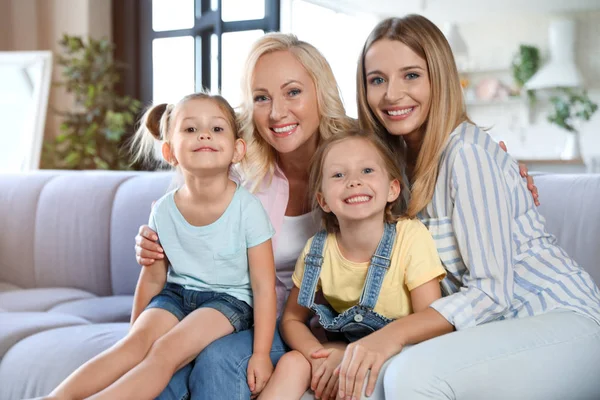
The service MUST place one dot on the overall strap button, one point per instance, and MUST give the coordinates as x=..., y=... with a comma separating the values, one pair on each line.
x=358, y=318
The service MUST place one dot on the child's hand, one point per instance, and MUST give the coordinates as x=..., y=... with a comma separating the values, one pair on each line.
x=259, y=371
x=324, y=382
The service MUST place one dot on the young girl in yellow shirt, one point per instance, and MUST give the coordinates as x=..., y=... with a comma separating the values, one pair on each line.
x=370, y=267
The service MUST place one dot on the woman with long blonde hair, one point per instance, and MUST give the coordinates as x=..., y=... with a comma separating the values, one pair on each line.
x=520, y=319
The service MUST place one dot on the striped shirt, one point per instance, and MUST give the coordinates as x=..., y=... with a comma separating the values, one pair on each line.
x=501, y=261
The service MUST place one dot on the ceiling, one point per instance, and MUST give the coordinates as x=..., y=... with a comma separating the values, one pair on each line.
x=458, y=10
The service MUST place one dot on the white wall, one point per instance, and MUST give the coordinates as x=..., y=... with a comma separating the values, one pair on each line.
x=300, y=17
x=492, y=43
x=458, y=10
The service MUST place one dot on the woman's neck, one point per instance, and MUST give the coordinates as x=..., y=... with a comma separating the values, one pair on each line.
x=411, y=163
x=413, y=141
x=358, y=240
x=295, y=170
x=296, y=164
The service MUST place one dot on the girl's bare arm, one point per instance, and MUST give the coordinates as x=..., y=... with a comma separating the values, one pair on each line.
x=294, y=328
x=151, y=281
x=262, y=278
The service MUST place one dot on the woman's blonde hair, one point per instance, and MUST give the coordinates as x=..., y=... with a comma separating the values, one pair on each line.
x=156, y=124
x=447, y=108
x=392, y=167
x=260, y=159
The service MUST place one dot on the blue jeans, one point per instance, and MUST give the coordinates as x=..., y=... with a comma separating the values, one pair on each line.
x=219, y=372
x=550, y=356
x=181, y=302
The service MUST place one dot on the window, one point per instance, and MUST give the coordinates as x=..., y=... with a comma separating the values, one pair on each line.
x=172, y=68
x=184, y=46
x=235, y=49
x=239, y=10
x=174, y=47
x=339, y=37
x=169, y=15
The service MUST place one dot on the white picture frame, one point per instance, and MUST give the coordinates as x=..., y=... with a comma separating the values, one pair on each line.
x=25, y=79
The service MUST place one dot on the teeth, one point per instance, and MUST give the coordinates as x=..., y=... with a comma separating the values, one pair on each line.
x=285, y=128
x=400, y=112
x=358, y=199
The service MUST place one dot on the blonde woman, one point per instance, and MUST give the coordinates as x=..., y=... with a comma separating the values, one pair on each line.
x=290, y=103
x=524, y=317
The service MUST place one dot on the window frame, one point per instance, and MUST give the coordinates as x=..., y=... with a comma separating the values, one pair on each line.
x=133, y=36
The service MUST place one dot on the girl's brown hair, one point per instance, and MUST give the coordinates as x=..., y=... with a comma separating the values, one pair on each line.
x=156, y=124
x=330, y=221
x=447, y=109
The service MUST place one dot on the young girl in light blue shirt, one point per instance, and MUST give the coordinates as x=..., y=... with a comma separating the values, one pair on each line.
x=218, y=276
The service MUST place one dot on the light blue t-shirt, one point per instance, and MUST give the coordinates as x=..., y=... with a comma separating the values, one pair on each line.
x=213, y=257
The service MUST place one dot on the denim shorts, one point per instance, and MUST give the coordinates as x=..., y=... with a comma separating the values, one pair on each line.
x=181, y=302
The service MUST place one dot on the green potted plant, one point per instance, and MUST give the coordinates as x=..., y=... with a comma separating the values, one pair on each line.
x=570, y=108
x=92, y=134
x=524, y=65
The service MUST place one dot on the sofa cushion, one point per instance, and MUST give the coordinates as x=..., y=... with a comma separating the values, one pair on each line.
x=38, y=363
x=98, y=309
x=72, y=232
x=131, y=209
x=19, y=325
x=19, y=195
x=569, y=203
x=39, y=299
x=7, y=287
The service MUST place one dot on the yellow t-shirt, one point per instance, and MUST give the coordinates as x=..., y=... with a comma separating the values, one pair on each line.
x=414, y=261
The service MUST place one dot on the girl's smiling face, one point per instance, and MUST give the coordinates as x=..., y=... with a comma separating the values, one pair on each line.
x=202, y=138
x=398, y=88
x=355, y=182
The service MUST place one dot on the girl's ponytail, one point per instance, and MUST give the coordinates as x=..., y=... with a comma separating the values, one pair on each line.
x=154, y=125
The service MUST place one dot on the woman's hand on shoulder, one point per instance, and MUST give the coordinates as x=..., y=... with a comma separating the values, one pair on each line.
x=147, y=251
x=525, y=174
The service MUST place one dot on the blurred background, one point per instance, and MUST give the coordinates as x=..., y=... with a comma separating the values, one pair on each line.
x=530, y=69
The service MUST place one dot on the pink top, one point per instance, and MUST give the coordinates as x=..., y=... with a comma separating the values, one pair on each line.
x=274, y=195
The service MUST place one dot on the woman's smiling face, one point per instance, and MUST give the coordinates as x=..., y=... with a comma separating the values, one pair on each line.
x=398, y=87
x=285, y=102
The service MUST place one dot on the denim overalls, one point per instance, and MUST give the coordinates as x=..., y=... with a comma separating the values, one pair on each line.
x=359, y=320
